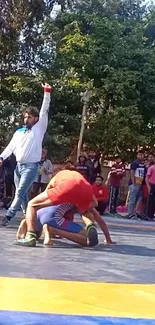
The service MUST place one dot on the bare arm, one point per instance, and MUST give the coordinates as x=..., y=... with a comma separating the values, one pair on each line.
x=102, y=225
x=132, y=174
x=147, y=183
x=43, y=115
x=108, y=179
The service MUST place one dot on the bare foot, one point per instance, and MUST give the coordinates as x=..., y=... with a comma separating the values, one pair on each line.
x=56, y=237
x=21, y=233
x=47, y=242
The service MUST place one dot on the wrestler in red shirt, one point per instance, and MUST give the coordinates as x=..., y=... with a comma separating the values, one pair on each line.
x=101, y=193
x=65, y=187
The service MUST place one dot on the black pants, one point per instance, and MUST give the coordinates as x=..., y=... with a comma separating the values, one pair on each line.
x=9, y=186
x=102, y=206
x=151, y=202
x=114, y=196
x=37, y=187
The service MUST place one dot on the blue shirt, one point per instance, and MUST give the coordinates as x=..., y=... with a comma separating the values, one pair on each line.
x=139, y=169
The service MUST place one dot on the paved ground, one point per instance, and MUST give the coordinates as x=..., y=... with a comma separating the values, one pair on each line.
x=131, y=261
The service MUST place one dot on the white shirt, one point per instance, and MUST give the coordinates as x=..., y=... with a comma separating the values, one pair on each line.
x=25, y=144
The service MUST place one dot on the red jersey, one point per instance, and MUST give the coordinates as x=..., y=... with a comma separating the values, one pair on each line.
x=101, y=192
x=70, y=187
x=116, y=174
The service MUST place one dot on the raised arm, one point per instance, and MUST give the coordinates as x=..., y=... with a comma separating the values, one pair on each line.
x=43, y=115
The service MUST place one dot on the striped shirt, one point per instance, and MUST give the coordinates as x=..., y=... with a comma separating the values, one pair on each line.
x=60, y=212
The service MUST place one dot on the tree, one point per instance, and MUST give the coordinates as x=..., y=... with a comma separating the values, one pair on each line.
x=105, y=46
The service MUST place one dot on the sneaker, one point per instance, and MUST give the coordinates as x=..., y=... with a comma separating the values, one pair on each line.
x=132, y=216
x=117, y=215
x=92, y=236
x=4, y=222
x=29, y=242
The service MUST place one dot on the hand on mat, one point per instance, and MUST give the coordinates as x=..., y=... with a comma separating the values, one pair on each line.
x=109, y=242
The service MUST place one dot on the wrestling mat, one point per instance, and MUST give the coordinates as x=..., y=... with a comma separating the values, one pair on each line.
x=70, y=285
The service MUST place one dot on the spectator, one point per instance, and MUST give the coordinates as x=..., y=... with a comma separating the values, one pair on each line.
x=42, y=179
x=117, y=172
x=9, y=165
x=137, y=175
x=150, y=181
x=142, y=206
x=150, y=160
x=26, y=145
x=101, y=193
x=83, y=167
x=95, y=165
x=69, y=165
x=2, y=186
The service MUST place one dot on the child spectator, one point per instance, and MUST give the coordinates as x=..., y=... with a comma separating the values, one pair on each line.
x=83, y=168
x=69, y=165
x=94, y=163
x=42, y=179
x=101, y=193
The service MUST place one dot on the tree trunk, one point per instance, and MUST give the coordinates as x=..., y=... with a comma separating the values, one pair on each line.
x=82, y=129
x=85, y=98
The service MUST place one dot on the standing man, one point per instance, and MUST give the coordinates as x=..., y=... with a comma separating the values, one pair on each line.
x=26, y=145
x=137, y=174
x=115, y=176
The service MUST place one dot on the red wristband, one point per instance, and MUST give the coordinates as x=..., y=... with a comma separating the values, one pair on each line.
x=48, y=89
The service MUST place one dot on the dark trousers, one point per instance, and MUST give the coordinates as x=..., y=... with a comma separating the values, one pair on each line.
x=36, y=188
x=113, y=200
x=9, y=186
x=102, y=205
x=151, y=202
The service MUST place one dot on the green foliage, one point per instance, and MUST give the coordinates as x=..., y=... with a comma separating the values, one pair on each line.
x=105, y=46
x=9, y=120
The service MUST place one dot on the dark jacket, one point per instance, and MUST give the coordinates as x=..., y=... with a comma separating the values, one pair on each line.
x=9, y=166
x=83, y=169
x=95, y=167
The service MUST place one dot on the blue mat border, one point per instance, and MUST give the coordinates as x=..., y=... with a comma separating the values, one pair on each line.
x=26, y=318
